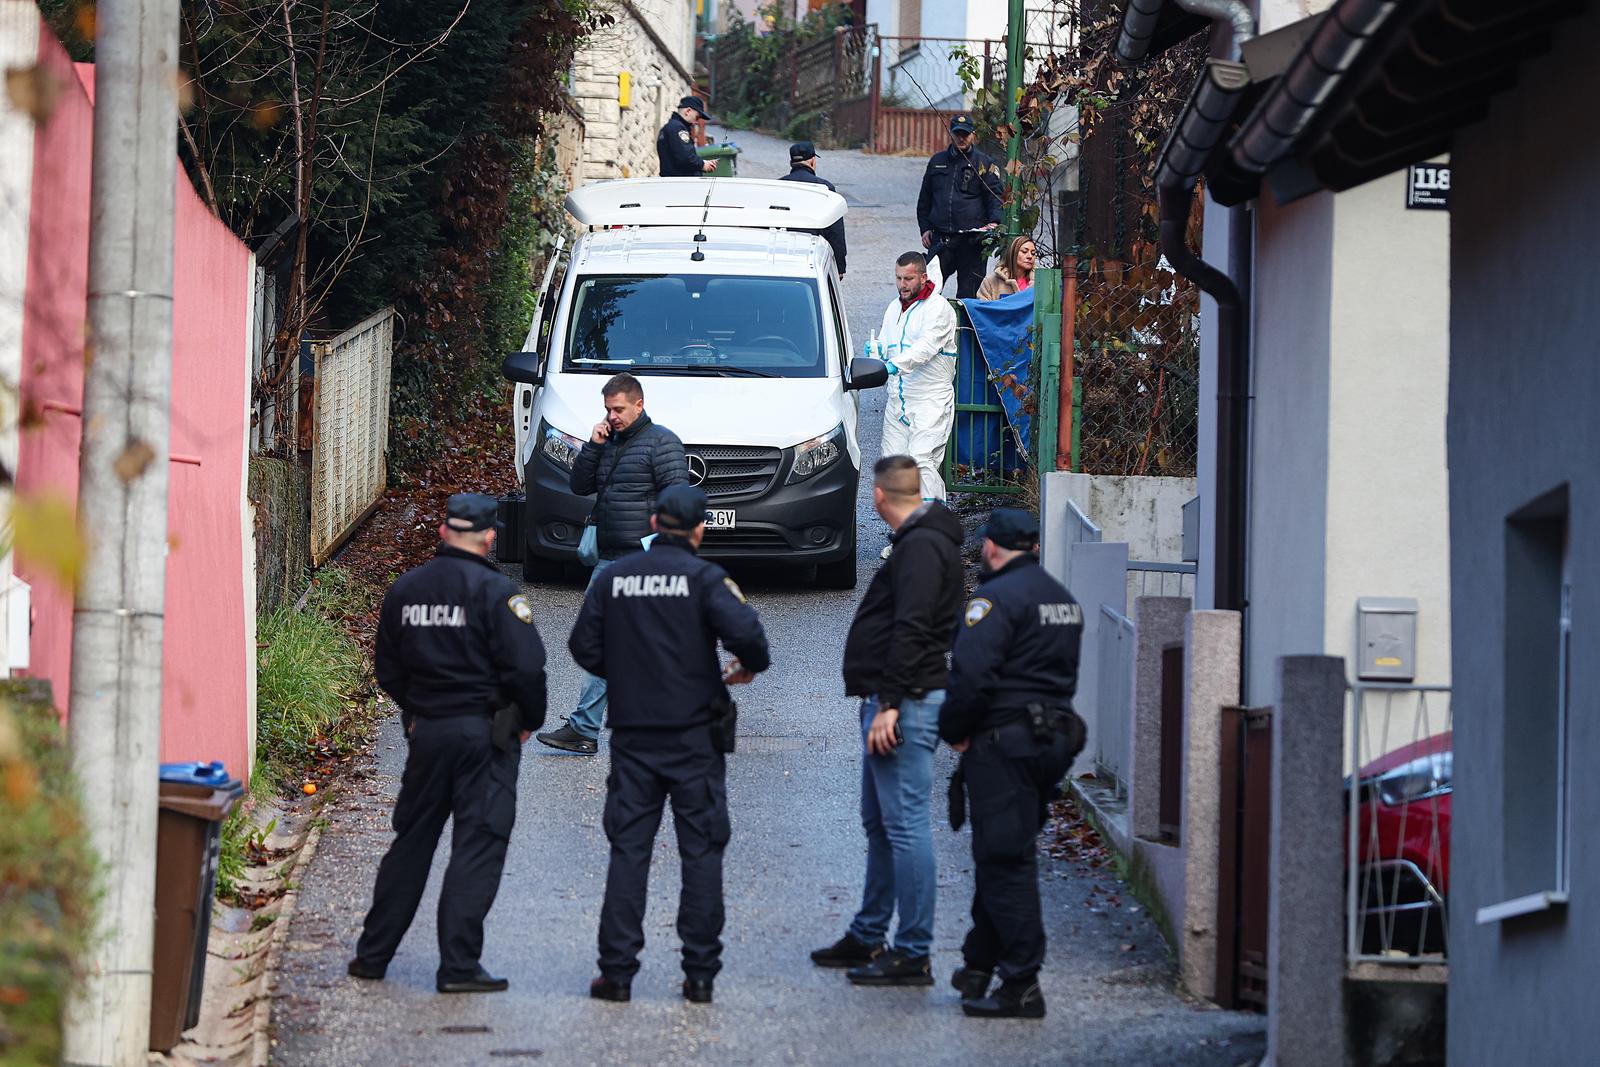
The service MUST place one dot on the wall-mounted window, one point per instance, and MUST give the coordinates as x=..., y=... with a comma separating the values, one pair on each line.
x=1538, y=642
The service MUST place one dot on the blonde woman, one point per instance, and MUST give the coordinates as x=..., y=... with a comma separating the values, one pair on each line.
x=1014, y=272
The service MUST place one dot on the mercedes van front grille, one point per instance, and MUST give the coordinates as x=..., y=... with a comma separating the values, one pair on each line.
x=733, y=470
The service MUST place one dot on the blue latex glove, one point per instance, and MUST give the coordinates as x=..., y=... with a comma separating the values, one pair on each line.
x=893, y=370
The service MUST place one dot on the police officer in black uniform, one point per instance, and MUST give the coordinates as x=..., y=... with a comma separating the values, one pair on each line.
x=675, y=143
x=650, y=627
x=1008, y=710
x=803, y=168
x=459, y=653
x=960, y=198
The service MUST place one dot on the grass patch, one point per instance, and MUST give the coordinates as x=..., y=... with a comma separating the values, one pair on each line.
x=313, y=706
x=309, y=674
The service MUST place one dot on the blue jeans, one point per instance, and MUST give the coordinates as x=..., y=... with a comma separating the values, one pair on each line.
x=895, y=794
x=592, y=698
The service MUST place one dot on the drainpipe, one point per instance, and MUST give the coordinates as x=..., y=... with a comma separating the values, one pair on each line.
x=1194, y=138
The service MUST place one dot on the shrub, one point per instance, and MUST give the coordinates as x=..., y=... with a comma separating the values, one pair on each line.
x=47, y=874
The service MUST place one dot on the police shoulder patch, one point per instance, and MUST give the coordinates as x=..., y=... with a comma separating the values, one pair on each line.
x=683, y=135
x=733, y=587
x=977, y=610
x=521, y=607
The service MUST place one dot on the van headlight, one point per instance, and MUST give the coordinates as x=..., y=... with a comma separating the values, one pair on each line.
x=559, y=448
x=817, y=454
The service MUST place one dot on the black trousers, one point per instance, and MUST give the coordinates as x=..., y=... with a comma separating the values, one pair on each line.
x=647, y=767
x=453, y=770
x=1011, y=779
x=962, y=255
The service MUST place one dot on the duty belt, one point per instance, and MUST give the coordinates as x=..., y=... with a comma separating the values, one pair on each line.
x=1040, y=720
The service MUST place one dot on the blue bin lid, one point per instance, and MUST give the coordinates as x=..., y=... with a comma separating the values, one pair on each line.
x=213, y=773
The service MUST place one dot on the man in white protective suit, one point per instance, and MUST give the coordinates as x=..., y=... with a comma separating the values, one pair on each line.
x=918, y=343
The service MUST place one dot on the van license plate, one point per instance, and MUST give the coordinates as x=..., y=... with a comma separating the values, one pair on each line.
x=720, y=519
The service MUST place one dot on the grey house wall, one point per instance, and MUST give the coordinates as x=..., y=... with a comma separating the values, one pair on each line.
x=1524, y=385
x=1287, y=555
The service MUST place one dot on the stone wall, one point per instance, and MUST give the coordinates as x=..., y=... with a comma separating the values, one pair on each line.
x=652, y=42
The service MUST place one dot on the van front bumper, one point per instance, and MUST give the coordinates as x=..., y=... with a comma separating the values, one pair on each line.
x=801, y=523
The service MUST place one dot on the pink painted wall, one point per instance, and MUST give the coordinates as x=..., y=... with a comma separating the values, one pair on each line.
x=205, y=666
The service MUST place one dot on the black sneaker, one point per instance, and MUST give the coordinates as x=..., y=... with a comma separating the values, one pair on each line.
x=848, y=951
x=1013, y=1000
x=482, y=982
x=569, y=740
x=894, y=968
x=971, y=983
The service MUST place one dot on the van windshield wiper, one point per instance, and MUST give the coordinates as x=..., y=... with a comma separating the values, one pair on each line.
x=707, y=371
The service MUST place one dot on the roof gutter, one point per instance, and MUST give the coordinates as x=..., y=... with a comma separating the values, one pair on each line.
x=1140, y=21
x=1291, y=105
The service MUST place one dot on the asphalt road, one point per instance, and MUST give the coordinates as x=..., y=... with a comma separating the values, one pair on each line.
x=793, y=871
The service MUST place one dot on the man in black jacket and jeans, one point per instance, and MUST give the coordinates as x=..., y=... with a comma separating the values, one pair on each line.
x=625, y=463
x=894, y=659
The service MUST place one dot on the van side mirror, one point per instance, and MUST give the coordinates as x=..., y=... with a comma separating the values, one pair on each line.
x=523, y=367
x=866, y=373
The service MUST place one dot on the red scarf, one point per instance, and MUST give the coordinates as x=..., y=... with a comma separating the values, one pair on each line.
x=927, y=291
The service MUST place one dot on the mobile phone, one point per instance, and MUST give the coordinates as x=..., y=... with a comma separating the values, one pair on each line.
x=899, y=734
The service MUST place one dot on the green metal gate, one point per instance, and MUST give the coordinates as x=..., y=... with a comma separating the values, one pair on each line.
x=992, y=462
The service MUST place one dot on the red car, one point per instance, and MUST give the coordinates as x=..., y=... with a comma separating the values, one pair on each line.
x=1403, y=839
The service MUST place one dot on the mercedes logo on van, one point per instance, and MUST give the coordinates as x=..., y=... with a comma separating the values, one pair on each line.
x=697, y=470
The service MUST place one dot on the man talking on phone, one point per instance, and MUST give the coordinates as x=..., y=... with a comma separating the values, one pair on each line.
x=894, y=660
x=626, y=463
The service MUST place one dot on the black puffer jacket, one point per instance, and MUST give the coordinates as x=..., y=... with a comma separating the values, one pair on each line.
x=625, y=474
x=897, y=643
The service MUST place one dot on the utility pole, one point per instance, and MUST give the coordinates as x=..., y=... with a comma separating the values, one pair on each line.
x=115, y=712
x=1016, y=32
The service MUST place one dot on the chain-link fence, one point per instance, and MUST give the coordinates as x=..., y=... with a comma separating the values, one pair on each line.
x=1091, y=135
x=1137, y=363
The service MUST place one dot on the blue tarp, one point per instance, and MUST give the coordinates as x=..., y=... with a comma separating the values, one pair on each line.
x=995, y=364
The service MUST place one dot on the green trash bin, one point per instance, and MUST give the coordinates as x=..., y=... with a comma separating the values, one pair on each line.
x=726, y=156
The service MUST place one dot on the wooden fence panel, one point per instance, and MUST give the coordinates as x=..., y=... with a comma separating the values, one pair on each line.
x=350, y=437
x=918, y=130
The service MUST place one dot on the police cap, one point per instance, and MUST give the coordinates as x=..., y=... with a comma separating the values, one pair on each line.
x=696, y=103
x=470, y=512
x=801, y=151
x=680, y=507
x=1011, y=528
x=962, y=124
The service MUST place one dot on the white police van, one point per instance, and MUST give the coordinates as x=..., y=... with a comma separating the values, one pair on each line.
x=712, y=293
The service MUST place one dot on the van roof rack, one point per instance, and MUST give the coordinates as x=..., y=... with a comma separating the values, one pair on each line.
x=758, y=203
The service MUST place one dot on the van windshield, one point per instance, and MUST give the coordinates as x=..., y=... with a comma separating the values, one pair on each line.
x=714, y=325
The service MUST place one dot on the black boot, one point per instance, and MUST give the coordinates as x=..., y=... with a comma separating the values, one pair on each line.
x=1017, y=999
x=848, y=951
x=971, y=983
x=604, y=988
x=697, y=990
